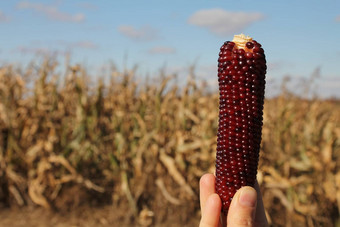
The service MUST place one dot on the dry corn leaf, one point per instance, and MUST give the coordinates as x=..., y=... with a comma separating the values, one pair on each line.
x=327, y=152
x=35, y=191
x=337, y=181
x=285, y=202
x=170, y=165
x=166, y=194
x=330, y=189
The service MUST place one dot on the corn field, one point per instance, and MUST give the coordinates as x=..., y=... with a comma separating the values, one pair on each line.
x=66, y=142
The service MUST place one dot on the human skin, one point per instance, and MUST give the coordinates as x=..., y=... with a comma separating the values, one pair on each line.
x=246, y=209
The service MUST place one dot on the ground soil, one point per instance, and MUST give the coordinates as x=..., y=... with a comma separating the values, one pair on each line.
x=86, y=217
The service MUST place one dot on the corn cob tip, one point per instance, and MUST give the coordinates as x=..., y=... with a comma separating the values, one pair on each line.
x=241, y=40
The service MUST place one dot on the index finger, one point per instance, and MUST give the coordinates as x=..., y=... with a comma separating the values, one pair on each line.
x=207, y=188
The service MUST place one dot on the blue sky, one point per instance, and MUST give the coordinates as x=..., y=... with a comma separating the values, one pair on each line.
x=300, y=38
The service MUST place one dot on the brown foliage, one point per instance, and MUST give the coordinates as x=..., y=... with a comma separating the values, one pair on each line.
x=67, y=144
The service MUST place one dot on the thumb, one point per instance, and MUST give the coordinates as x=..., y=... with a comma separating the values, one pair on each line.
x=243, y=208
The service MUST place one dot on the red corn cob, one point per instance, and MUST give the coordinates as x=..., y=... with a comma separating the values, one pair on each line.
x=241, y=76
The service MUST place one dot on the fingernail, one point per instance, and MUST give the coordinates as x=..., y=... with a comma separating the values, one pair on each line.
x=248, y=197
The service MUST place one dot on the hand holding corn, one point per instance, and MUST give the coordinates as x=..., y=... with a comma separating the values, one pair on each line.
x=246, y=209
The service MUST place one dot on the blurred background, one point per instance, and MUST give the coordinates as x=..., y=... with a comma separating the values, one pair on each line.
x=109, y=109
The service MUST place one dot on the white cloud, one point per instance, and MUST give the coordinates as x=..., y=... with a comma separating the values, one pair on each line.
x=337, y=19
x=145, y=33
x=222, y=22
x=162, y=50
x=52, y=12
x=3, y=17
